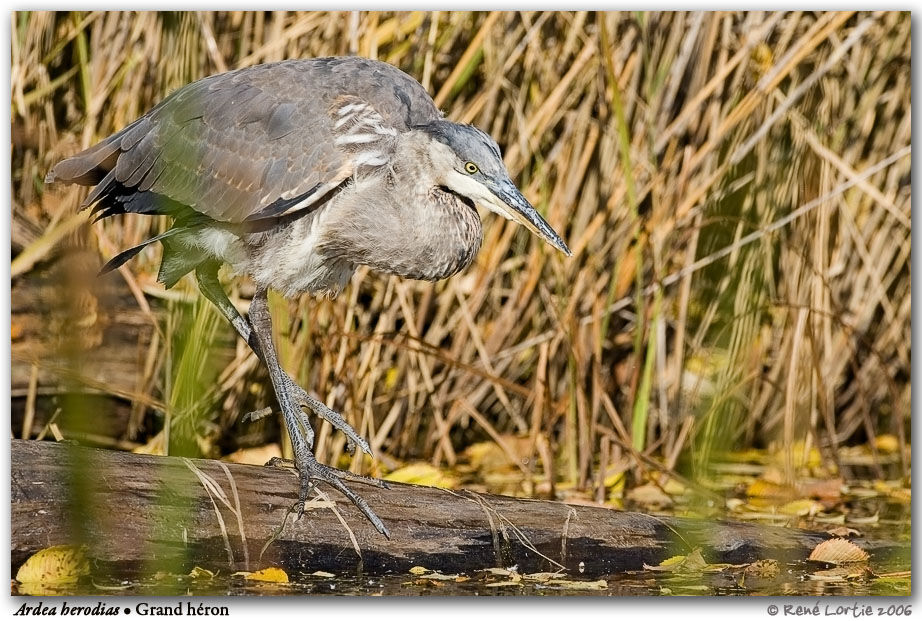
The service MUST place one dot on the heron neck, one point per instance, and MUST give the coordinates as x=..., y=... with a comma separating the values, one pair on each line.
x=424, y=234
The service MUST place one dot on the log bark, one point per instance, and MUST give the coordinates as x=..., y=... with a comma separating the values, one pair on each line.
x=132, y=510
x=57, y=320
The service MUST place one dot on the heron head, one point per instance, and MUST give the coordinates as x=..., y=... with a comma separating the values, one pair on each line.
x=472, y=167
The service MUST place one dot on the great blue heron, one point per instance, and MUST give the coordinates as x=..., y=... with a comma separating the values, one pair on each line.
x=295, y=173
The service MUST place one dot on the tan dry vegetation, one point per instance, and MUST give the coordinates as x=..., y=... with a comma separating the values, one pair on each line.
x=735, y=188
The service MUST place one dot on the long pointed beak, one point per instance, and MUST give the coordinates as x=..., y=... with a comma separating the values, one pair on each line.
x=516, y=207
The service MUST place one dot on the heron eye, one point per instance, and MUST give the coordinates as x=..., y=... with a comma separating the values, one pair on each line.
x=471, y=168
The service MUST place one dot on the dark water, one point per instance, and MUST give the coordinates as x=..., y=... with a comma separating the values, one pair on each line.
x=887, y=573
x=791, y=581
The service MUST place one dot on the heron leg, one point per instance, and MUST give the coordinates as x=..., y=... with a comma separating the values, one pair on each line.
x=298, y=428
x=207, y=276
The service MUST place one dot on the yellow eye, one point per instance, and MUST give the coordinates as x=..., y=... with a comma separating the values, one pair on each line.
x=471, y=168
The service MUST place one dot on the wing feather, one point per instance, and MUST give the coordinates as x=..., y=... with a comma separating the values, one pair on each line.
x=256, y=142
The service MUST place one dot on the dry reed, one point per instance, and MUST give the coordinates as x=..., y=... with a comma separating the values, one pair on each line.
x=664, y=147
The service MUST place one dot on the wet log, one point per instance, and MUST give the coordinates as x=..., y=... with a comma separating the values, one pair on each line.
x=133, y=510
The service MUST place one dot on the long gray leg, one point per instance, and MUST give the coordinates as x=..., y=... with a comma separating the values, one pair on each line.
x=259, y=337
x=207, y=276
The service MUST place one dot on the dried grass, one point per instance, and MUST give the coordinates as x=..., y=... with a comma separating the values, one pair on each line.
x=663, y=146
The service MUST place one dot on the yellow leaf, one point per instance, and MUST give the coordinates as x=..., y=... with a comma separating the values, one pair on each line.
x=55, y=565
x=422, y=473
x=673, y=488
x=811, y=458
x=649, y=495
x=801, y=507
x=614, y=482
x=760, y=488
x=154, y=446
x=269, y=574
x=576, y=585
x=256, y=456
x=418, y=571
x=390, y=378
x=887, y=443
x=693, y=563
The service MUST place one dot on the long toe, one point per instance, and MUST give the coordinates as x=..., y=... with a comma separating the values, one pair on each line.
x=312, y=470
x=331, y=416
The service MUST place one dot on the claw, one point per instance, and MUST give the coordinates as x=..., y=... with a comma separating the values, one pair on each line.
x=256, y=415
x=280, y=462
x=311, y=470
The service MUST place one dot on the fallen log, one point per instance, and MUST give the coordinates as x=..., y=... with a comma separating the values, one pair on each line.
x=132, y=510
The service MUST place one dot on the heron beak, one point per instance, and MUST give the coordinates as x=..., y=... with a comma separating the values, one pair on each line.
x=514, y=206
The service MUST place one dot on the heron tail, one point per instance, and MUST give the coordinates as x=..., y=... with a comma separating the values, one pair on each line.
x=126, y=255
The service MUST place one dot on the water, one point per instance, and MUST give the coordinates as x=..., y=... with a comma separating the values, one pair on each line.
x=883, y=575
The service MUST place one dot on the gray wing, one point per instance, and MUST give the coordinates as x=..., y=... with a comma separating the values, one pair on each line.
x=257, y=142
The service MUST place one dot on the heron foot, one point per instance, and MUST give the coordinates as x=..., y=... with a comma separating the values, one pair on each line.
x=311, y=470
x=333, y=417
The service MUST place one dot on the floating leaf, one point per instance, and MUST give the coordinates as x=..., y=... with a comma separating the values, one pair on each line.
x=841, y=574
x=577, y=585
x=673, y=561
x=801, y=507
x=199, y=573
x=692, y=563
x=418, y=570
x=269, y=574
x=437, y=576
x=323, y=574
x=826, y=489
x=864, y=520
x=760, y=488
x=543, y=576
x=829, y=518
x=55, y=565
x=899, y=583
x=844, y=531
x=764, y=568
x=838, y=551
x=735, y=504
